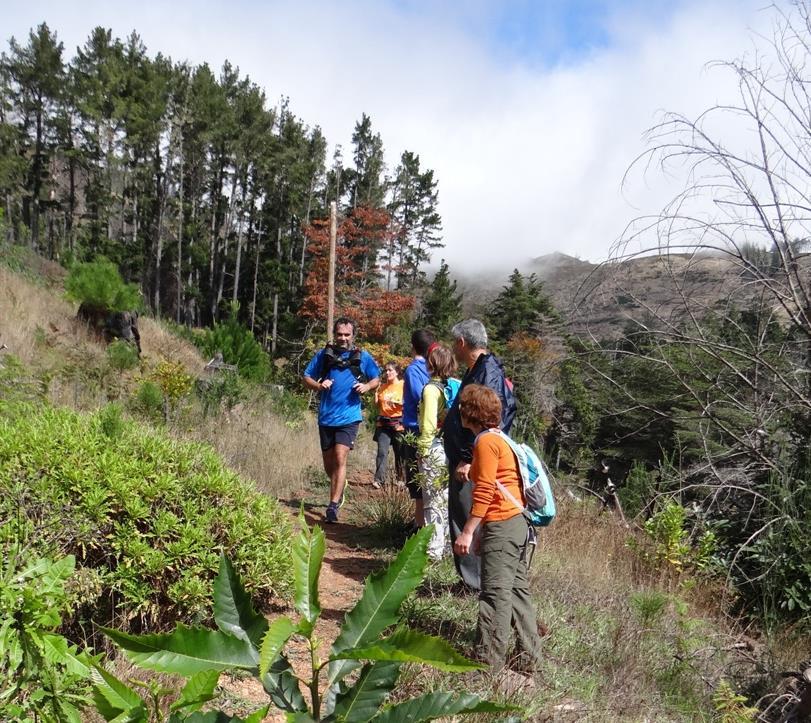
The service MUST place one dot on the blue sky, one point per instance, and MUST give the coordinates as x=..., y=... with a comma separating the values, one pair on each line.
x=529, y=112
x=544, y=33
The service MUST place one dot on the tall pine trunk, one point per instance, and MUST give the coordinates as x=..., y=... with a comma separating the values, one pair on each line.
x=180, y=216
x=256, y=276
x=239, y=246
x=36, y=182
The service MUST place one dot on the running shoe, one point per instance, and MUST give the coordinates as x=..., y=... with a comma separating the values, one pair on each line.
x=331, y=515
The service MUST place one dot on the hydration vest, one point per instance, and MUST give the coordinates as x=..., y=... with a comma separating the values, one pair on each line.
x=332, y=359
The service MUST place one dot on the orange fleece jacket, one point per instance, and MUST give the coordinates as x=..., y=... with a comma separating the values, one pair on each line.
x=494, y=460
x=389, y=398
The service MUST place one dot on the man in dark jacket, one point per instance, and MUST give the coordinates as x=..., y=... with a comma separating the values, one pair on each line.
x=470, y=348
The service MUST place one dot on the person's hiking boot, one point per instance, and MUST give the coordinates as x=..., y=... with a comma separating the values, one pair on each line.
x=331, y=515
x=376, y=485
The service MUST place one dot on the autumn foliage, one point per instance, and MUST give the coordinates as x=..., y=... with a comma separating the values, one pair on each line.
x=358, y=294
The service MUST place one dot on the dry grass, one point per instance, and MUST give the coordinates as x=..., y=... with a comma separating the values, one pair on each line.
x=158, y=342
x=627, y=641
x=26, y=308
x=279, y=456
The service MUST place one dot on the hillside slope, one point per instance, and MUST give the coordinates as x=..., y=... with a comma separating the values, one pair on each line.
x=600, y=300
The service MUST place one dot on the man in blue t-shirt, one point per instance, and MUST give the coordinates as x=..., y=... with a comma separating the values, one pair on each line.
x=336, y=372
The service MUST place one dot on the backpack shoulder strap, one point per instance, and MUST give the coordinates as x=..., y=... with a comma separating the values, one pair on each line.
x=328, y=358
x=509, y=496
x=438, y=385
x=354, y=362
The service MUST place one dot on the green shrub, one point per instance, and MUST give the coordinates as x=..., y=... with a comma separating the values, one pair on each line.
x=148, y=400
x=121, y=355
x=668, y=540
x=173, y=380
x=637, y=489
x=730, y=706
x=238, y=346
x=111, y=422
x=98, y=284
x=223, y=390
x=649, y=605
x=41, y=678
x=151, y=514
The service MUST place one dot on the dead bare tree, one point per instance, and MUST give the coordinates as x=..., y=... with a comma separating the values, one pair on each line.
x=737, y=357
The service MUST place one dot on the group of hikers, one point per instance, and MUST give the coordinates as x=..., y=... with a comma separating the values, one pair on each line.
x=460, y=469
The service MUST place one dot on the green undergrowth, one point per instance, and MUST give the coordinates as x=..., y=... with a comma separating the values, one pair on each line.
x=145, y=516
x=624, y=651
x=442, y=606
x=612, y=651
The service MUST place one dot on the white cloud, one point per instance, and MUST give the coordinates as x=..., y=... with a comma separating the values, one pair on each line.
x=529, y=159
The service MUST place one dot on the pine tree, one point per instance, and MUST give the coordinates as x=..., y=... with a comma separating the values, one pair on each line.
x=366, y=185
x=96, y=78
x=520, y=307
x=37, y=78
x=417, y=223
x=442, y=306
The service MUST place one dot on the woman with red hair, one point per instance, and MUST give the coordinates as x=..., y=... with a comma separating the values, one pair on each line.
x=504, y=597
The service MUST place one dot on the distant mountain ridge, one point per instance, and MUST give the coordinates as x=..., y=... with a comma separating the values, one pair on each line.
x=600, y=300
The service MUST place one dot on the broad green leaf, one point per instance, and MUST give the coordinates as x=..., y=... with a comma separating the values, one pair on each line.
x=186, y=650
x=38, y=567
x=378, y=607
x=114, y=699
x=438, y=705
x=54, y=648
x=63, y=568
x=199, y=689
x=277, y=635
x=233, y=611
x=300, y=718
x=283, y=687
x=308, y=553
x=364, y=698
x=68, y=712
x=258, y=715
x=410, y=646
x=78, y=664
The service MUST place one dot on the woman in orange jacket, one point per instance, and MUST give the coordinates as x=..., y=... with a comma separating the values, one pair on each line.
x=389, y=425
x=504, y=598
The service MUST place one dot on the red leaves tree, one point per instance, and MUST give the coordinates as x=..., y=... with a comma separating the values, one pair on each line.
x=358, y=294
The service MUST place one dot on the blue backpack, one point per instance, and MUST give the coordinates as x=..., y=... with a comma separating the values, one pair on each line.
x=449, y=389
x=540, y=509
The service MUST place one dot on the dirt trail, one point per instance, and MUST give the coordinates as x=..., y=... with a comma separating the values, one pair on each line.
x=346, y=564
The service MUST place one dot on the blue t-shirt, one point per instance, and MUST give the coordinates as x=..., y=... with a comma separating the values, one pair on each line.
x=415, y=378
x=340, y=404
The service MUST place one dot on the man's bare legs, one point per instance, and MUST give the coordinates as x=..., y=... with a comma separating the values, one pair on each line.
x=335, y=467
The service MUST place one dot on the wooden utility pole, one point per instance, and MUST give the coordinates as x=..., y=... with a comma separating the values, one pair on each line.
x=333, y=238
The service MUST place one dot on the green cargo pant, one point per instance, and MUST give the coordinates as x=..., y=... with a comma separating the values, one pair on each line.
x=504, y=596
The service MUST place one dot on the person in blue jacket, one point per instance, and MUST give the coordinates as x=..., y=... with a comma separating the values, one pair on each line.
x=337, y=372
x=415, y=378
x=470, y=349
